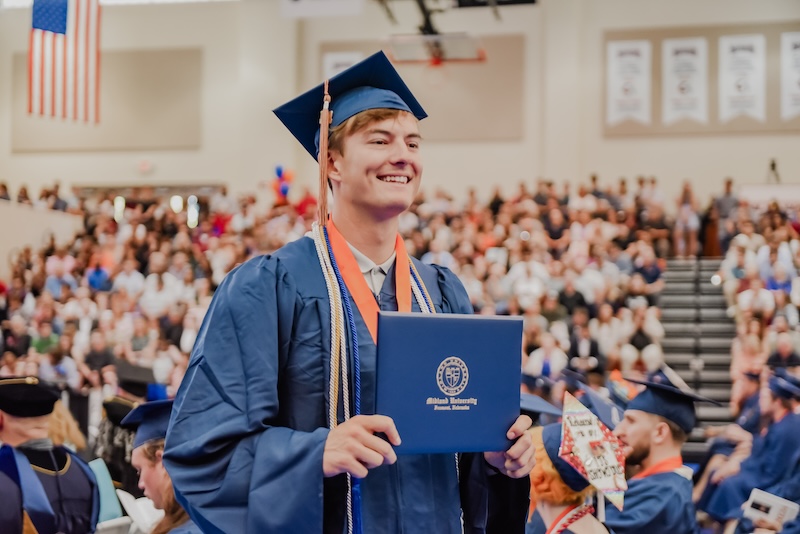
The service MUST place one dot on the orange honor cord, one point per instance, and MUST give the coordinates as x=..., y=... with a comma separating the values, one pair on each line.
x=357, y=285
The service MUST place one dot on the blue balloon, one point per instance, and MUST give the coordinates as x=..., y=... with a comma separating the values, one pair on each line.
x=284, y=189
x=279, y=171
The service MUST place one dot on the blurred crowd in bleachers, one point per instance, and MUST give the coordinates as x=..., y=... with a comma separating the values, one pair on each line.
x=583, y=265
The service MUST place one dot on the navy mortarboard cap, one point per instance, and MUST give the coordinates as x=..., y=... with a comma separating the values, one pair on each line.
x=371, y=84
x=150, y=420
x=536, y=382
x=534, y=404
x=783, y=388
x=551, y=439
x=664, y=399
x=605, y=410
x=572, y=379
x=27, y=396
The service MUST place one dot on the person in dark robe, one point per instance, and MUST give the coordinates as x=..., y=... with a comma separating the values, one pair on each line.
x=722, y=500
x=45, y=488
x=261, y=437
x=150, y=421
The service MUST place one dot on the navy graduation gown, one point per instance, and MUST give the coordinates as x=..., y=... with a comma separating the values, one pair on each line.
x=749, y=419
x=657, y=504
x=186, y=528
x=249, y=424
x=770, y=463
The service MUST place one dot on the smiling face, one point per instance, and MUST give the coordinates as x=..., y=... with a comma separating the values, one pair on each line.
x=376, y=169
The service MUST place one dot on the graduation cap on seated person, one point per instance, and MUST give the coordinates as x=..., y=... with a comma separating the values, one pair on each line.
x=27, y=396
x=668, y=396
x=150, y=421
x=370, y=84
x=783, y=388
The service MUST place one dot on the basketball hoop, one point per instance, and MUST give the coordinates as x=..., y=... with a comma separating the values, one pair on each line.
x=435, y=50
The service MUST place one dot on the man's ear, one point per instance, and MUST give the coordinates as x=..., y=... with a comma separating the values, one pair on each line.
x=661, y=433
x=334, y=167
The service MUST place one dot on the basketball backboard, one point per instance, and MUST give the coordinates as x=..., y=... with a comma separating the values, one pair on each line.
x=435, y=49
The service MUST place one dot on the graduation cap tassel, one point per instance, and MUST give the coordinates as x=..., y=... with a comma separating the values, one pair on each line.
x=325, y=118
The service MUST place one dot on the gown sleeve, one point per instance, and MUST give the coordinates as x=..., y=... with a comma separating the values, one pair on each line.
x=233, y=466
x=648, y=510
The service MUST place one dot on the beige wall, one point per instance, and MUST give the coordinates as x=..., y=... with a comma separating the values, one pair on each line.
x=254, y=60
x=28, y=226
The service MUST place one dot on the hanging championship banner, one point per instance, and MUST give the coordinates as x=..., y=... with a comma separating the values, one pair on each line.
x=684, y=91
x=790, y=75
x=742, y=77
x=628, y=82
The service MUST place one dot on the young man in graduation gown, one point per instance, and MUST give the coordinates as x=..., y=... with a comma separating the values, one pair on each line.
x=655, y=425
x=259, y=439
x=771, y=462
x=44, y=488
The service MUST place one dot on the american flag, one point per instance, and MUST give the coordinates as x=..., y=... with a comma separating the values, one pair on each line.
x=64, y=60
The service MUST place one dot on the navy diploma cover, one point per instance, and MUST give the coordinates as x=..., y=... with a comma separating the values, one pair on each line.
x=450, y=382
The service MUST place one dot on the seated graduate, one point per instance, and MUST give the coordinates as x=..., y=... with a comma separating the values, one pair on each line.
x=655, y=426
x=735, y=439
x=772, y=462
x=45, y=488
x=150, y=420
x=274, y=426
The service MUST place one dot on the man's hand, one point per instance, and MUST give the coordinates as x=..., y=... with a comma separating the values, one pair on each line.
x=517, y=461
x=353, y=447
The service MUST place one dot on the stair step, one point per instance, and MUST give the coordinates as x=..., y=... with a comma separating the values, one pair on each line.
x=712, y=300
x=709, y=262
x=710, y=361
x=713, y=314
x=675, y=263
x=679, y=288
x=707, y=412
x=682, y=276
x=707, y=288
x=680, y=315
x=722, y=394
x=711, y=328
x=707, y=377
x=715, y=343
x=677, y=301
x=678, y=344
x=681, y=328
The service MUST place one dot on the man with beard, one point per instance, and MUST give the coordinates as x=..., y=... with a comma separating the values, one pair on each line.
x=655, y=426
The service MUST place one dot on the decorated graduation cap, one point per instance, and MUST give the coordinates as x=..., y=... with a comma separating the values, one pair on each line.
x=590, y=449
x=150, y=420
x=668, y=396
x=370, y=84
x=27, y=396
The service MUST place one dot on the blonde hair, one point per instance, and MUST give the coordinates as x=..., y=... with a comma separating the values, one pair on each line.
x=546, y=483
x=357, y=122
x=174, y=514
x=64, y=429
